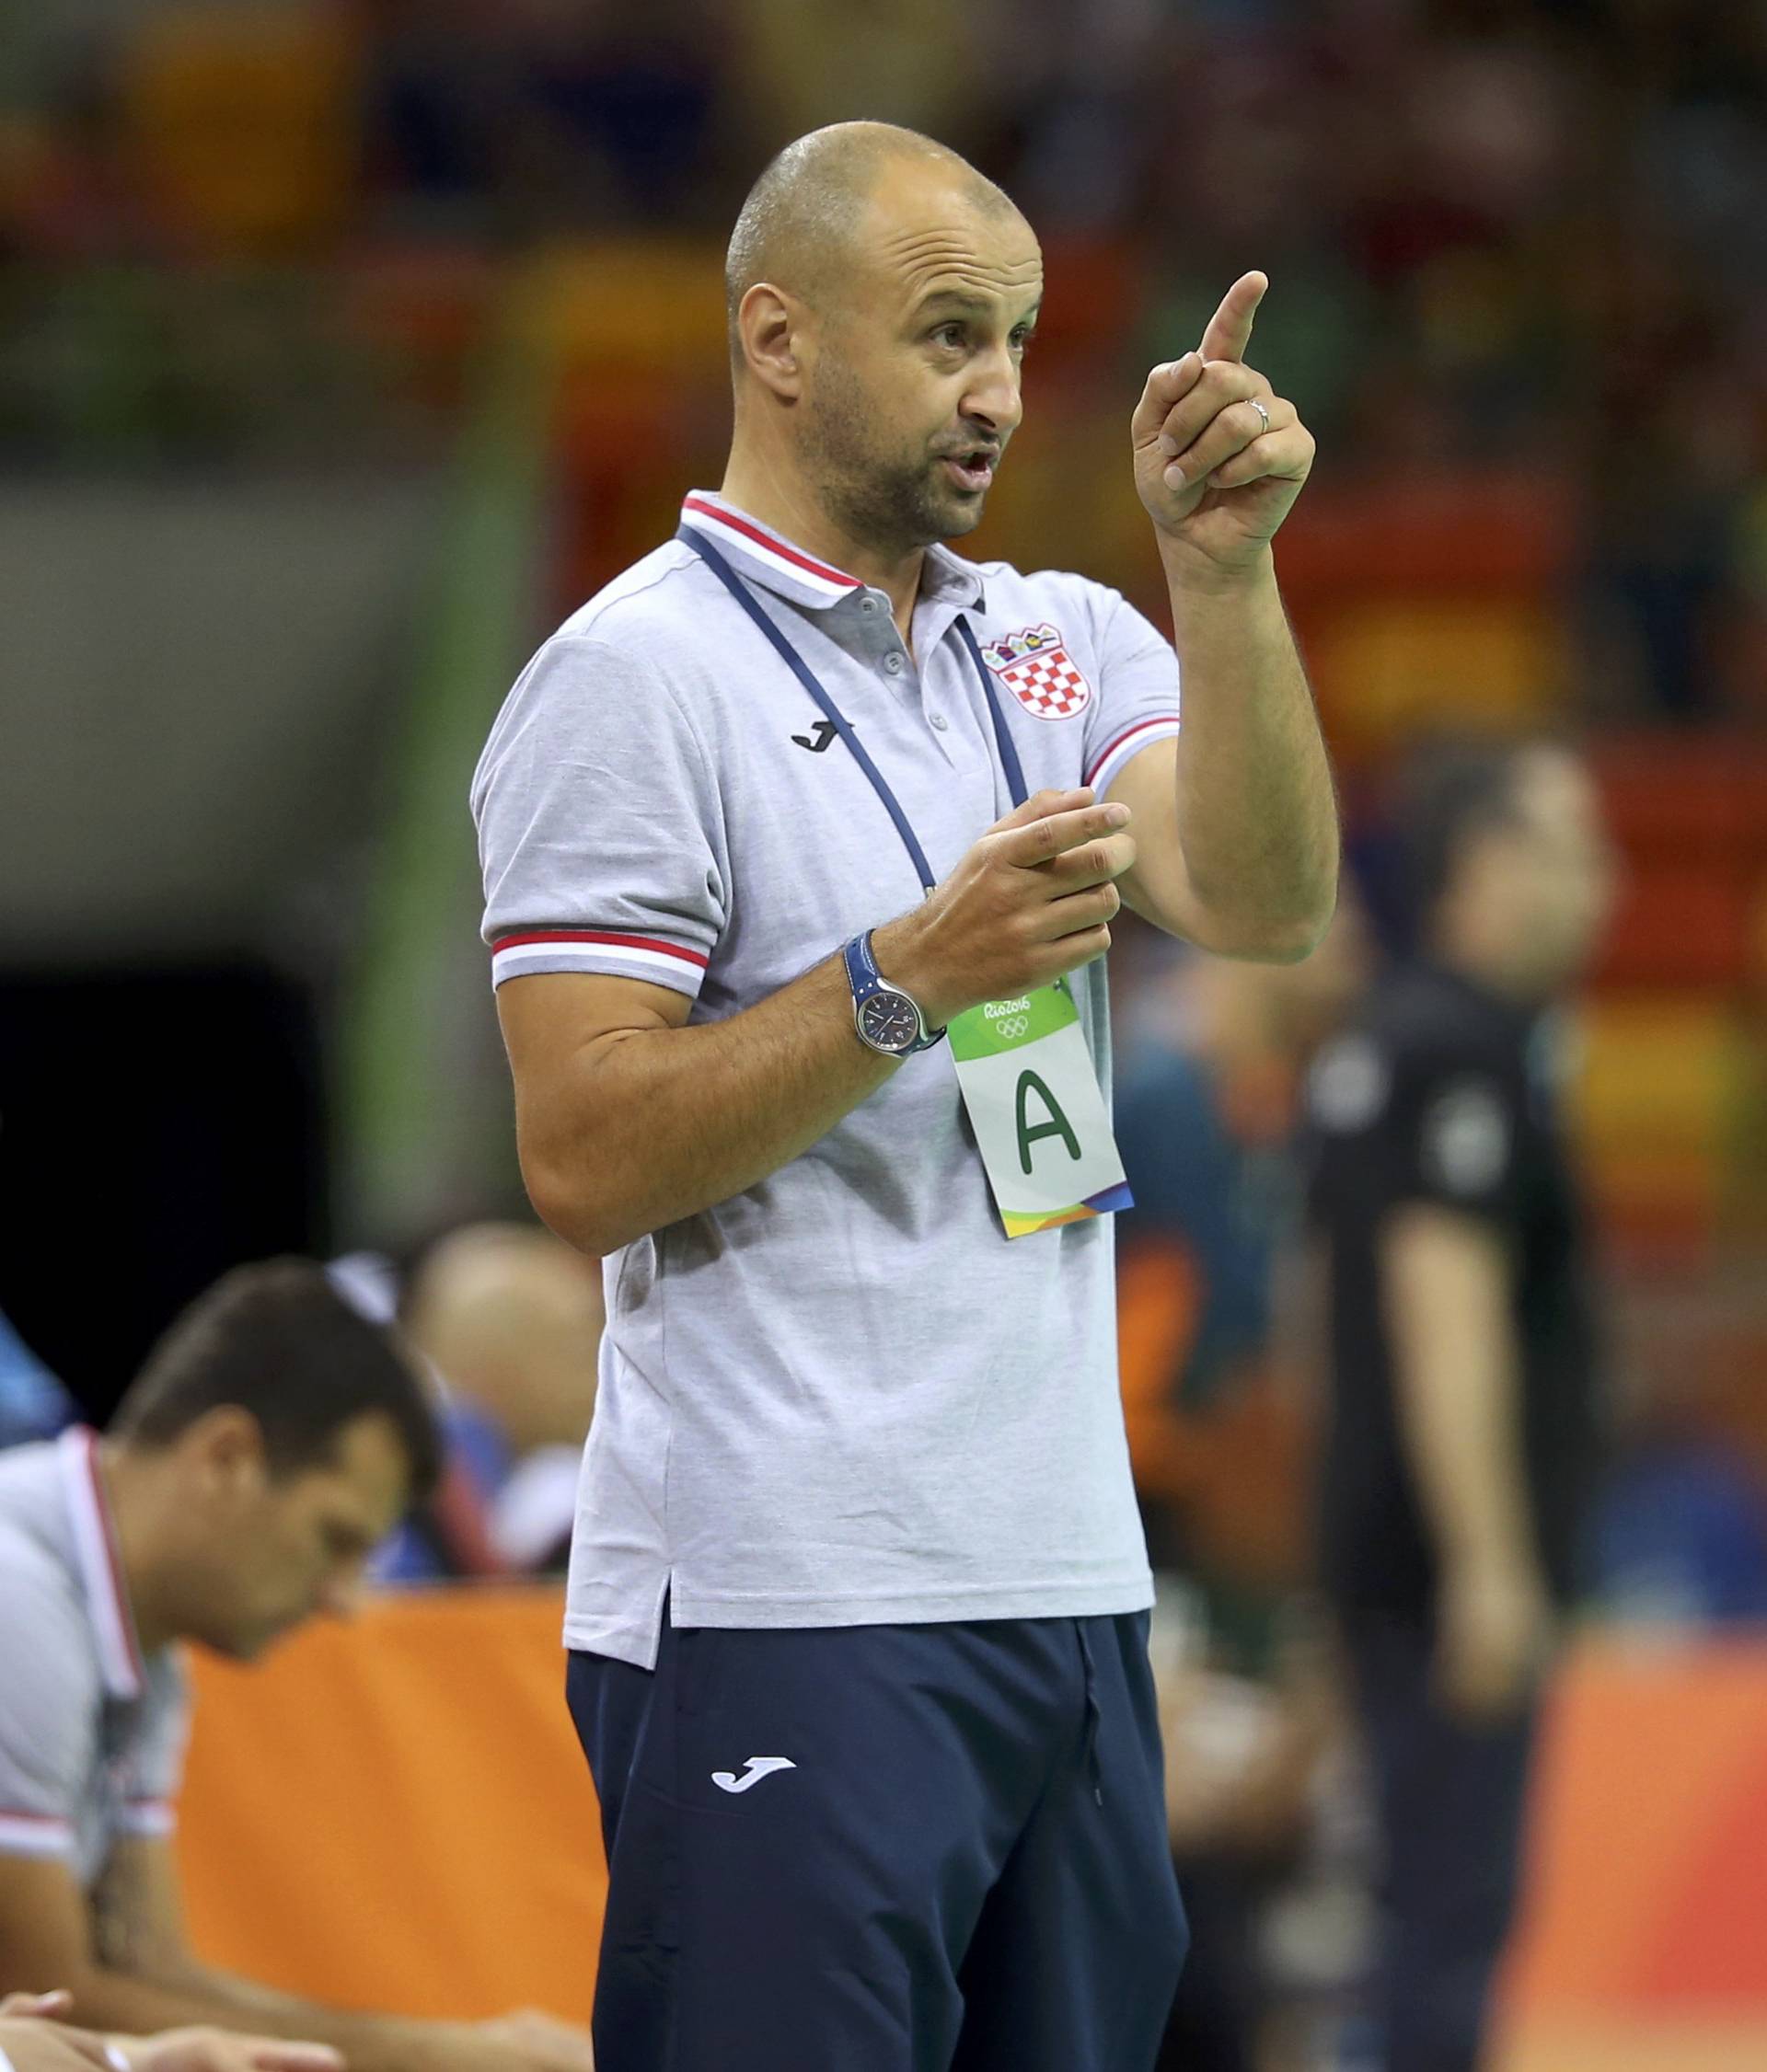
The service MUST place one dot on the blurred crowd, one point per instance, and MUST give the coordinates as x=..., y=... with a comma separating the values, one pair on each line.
x=1513, y=236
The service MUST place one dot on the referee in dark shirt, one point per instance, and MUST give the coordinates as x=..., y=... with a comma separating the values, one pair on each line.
x=1463, y=1366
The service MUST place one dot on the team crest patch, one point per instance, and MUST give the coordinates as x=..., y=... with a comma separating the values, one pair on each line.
x=1037, y=669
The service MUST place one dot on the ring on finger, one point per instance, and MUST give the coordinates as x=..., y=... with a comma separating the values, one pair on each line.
x=1263, y=414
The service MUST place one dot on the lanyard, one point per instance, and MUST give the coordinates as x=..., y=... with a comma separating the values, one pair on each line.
x=795, y=663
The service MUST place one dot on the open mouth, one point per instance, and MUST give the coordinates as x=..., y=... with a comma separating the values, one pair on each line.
x=973, y=471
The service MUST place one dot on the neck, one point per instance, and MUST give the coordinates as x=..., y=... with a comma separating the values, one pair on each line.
x=129, y=1482
x=780, y=499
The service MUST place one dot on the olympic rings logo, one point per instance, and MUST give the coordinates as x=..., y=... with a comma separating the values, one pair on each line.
x=1012, y=1029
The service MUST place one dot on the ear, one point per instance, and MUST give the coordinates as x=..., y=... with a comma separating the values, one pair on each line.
x=225, y=1447
x=770, y=324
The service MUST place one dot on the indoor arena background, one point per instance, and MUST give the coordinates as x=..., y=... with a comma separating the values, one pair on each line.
x=344, y=347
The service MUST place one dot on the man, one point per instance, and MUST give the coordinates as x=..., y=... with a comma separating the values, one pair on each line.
x=511, y=1319
x=858, y=1595
x=1463, y=1425
x=271, y=1441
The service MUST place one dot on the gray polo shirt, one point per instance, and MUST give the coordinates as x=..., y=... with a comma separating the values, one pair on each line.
x=842, y=1396
x=91, y=1734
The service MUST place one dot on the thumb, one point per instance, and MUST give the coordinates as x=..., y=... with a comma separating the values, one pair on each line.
x=1168, y=385
x=39, y=2006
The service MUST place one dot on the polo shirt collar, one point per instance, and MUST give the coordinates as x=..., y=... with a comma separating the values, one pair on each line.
x=771, y=560
x=99, y=1566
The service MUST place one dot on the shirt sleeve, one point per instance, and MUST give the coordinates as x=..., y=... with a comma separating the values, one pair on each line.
x=1435, y=1123
x=47, y=1719
x=1137, y=690
x=153, y=1766
x=600, y=830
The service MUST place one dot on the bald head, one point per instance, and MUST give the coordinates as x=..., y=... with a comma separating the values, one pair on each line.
x=800, y=227
x=512, y=1318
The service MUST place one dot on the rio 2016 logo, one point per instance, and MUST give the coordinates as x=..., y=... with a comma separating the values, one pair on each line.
x=1012, y=1028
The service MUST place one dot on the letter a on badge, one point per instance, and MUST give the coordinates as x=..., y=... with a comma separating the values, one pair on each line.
x=1055, y=1124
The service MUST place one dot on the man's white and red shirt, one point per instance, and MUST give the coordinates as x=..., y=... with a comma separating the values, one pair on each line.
x=841, y=1397
x=92, y=1733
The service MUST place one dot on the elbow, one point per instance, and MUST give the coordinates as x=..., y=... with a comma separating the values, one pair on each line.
x=1287, y=939
x=584, y=1215
x=1283, y=943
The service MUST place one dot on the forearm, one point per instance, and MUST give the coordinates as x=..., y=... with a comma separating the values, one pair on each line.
x=1257, y=820
x=129, y=2004
x=1457, y=1383
x=654, y=1125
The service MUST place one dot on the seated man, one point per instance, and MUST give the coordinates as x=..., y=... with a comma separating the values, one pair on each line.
x=274, y=1436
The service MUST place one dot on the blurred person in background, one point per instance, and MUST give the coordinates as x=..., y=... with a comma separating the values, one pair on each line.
x=510, y=1317
x=1464, y=1371
x=1211, y=1080
x=857, y=1518
x=269, y=1442
x=33, y=2038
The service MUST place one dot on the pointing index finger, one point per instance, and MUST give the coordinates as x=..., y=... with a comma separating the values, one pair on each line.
x=1230, y=329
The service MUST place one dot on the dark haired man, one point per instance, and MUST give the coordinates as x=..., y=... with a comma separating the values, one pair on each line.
x=859, y=1592
x=1462, y=1419
x=273, y=1437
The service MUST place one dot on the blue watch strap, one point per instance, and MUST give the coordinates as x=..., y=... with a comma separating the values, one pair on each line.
x=865, y=979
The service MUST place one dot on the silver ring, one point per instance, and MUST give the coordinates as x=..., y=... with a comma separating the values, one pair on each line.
x=1261, y=412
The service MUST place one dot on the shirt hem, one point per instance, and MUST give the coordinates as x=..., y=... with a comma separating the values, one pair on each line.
x=771, y=1611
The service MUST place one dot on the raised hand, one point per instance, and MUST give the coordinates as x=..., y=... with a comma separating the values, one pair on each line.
x=1220, y=457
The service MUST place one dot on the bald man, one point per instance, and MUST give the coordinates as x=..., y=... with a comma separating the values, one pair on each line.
x=802, y=842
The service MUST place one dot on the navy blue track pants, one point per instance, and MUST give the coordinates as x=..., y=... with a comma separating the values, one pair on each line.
x=933, y=1847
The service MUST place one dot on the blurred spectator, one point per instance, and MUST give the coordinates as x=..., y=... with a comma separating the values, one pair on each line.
x=1679, y=1539
x=511, y=1318
x=1207, y=1108
x=33, y=1404
x=1464, y=1363
x=270, y=1440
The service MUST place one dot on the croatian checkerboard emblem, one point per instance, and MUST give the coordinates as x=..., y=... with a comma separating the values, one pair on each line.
x=1038, y=671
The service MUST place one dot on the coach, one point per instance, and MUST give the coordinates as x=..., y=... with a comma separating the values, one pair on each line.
x=858, y=1597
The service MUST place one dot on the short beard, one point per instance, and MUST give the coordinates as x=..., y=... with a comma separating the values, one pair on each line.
x=895, y=509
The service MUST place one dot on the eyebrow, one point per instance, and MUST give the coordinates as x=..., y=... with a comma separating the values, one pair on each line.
x=960, y=298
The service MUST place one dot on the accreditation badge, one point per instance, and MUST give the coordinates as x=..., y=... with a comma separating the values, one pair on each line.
x=1037, y=1110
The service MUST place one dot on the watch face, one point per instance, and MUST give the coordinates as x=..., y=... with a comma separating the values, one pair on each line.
x=890, y=1021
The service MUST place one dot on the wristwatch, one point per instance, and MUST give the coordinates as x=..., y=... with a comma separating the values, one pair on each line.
x=888, y=1020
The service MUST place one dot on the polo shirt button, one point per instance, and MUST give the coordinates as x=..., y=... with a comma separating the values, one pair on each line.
x=867, y=604
x=893, y=664
x=939, y=720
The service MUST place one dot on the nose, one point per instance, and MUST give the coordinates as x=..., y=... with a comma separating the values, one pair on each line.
x=994, y=398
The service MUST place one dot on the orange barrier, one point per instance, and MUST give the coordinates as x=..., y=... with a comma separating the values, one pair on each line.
x=395, y=1813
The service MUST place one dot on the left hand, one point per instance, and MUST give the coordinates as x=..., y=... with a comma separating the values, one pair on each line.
x=1214, y=480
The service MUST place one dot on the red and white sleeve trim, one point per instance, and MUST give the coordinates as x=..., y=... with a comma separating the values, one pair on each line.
x=34, y=1835
x=152, y=1818
x=1108, y=763
x=597, y=949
